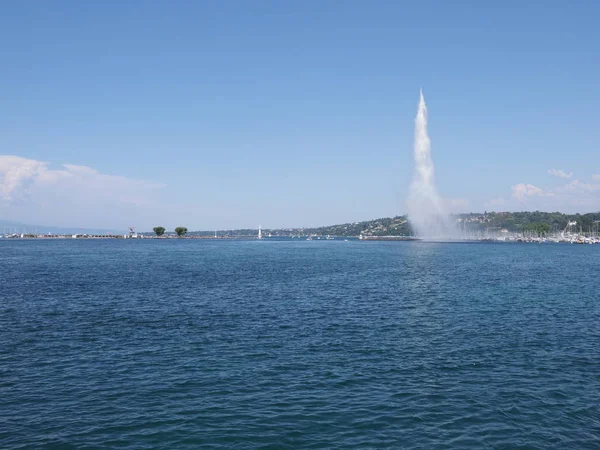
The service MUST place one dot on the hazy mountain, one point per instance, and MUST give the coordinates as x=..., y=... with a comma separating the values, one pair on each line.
x=9, y=226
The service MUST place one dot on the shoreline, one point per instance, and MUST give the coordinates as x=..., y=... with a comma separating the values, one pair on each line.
x=517, y=240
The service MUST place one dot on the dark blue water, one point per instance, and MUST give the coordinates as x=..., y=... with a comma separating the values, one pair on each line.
x=323, y=344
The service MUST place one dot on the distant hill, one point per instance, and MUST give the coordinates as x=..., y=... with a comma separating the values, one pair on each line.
x=400, y=225
x=394, y=226
x=9, y=226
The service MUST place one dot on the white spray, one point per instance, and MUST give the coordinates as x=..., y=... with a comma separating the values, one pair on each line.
x=425, y=206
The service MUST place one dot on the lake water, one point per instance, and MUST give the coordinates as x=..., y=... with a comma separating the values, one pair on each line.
x=177, y=344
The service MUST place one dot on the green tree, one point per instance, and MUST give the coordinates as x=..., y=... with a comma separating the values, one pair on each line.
x=159, y=230
x=538, y=227
x=180, y=231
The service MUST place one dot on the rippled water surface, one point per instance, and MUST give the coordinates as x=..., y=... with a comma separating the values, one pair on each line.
x=284, y=344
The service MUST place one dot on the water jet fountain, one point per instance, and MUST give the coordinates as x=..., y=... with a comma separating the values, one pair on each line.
x=425, y=206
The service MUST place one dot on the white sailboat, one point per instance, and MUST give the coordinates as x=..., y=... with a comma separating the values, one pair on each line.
x=259, y=233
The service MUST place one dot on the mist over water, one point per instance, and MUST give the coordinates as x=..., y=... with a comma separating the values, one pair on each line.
x=426, y=210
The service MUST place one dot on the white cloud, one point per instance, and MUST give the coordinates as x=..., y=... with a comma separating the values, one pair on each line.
x=575, y=196
x=596, y=177
x=560, y=173
x=31, y=190
x=522, y=192
x=16, y=174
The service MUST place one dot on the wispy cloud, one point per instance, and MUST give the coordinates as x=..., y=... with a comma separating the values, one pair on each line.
x=579, y=187
x=560, y=173
x=522, y=192
x=596, y=177
x=576, y=195
x=71, y=192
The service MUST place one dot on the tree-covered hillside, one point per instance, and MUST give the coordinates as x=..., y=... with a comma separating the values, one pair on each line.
x=537, y=221
x=528, y=220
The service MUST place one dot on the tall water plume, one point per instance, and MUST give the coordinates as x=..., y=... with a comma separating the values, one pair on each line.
x=425, y=206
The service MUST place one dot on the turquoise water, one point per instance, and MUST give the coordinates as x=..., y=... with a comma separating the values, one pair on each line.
x=285, y=344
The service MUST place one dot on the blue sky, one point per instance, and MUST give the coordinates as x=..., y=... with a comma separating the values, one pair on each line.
x=231, y=114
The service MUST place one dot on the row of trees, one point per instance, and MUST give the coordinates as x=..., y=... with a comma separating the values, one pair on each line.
x=161, y=230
